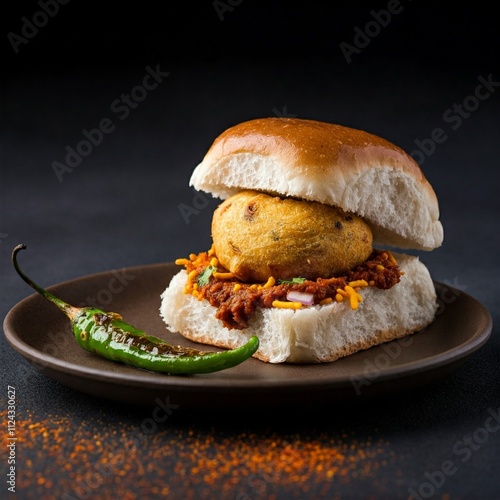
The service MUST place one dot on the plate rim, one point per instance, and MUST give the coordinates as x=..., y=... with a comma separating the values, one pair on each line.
x=163, y=381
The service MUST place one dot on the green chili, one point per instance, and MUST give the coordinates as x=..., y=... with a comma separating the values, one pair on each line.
x=106, y=334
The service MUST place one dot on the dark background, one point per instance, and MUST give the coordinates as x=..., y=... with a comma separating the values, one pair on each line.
x=229, y=62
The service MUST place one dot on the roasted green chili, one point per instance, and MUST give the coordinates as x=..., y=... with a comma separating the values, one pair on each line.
x=106, y=334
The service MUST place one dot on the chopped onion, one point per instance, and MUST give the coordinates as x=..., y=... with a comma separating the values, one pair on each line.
x=304, y=298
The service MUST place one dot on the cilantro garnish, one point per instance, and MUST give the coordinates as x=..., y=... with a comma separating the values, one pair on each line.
x=293, y=281
x=204, y=277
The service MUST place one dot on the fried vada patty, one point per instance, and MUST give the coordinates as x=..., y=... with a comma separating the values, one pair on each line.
x=256, y=235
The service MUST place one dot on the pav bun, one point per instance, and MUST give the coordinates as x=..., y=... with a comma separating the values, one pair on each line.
x=332, y=164
x=256, y=235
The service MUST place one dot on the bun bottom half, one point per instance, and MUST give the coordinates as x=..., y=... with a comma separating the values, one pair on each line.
x=315, y=334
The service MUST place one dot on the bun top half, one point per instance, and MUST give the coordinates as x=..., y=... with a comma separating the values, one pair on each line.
x=332, y=164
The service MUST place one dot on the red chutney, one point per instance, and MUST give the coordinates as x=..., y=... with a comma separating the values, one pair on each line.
x=236, y=302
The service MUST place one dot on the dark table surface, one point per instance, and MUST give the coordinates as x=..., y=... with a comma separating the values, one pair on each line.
x=424, y=77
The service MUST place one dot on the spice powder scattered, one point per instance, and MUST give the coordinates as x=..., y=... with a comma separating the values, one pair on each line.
x=61, y=456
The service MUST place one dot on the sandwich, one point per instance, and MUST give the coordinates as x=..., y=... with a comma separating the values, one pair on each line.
x=311, y=243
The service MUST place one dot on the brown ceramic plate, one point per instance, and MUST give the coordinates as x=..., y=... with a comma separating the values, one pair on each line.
x=40, y=333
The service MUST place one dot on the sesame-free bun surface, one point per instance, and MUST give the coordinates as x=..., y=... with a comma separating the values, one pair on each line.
x=332, y=164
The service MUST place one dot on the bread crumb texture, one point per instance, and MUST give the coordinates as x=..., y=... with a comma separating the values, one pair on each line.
x=312, y=334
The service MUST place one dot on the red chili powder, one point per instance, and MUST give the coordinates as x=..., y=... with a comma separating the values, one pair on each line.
x=58, y=456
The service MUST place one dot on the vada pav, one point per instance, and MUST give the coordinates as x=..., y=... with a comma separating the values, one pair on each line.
x=303, y=252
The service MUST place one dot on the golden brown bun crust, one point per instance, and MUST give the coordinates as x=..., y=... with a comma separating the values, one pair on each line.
x=257, y=236
x=315, y=145
x=335, y=165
